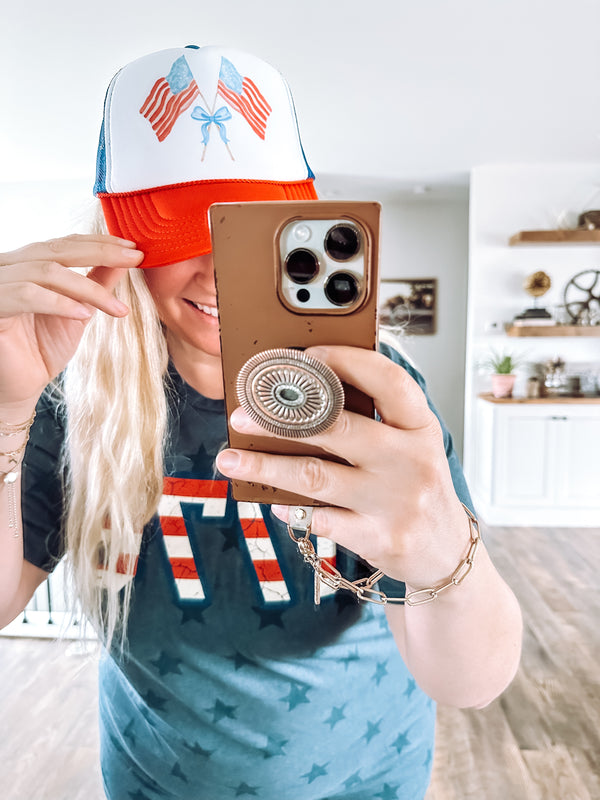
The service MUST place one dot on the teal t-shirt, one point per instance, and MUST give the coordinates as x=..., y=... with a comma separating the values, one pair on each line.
x=234, y=684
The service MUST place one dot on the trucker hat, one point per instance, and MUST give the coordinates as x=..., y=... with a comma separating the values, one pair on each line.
x=187, y=127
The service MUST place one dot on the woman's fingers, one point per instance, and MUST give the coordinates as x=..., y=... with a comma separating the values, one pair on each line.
x=78, y=251
x=34, y=299
x=360, y=441
x=398, y=398
x=346, y=528
x=27, y=287
x=325, y=481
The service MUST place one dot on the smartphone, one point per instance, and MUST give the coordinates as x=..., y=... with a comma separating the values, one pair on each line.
x=291, y=274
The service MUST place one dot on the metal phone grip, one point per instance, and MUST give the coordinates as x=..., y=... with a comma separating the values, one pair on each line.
x=290, y=393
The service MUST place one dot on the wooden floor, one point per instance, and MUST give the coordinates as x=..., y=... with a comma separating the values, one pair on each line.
x=539, y=741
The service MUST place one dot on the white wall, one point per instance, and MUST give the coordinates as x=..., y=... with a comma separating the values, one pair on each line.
x=38, y=210
x=427, y=237
x=505, y=199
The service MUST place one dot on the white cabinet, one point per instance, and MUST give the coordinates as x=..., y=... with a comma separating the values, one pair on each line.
x=538, y=463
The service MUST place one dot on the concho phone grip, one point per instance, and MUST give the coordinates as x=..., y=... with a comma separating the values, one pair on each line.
x=289, y=393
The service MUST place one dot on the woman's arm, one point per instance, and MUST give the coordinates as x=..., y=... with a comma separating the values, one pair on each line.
x=463, y=648
x=395, y=505
x=44, y=306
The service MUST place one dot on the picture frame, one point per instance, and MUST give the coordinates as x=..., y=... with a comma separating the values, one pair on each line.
x=409, y=304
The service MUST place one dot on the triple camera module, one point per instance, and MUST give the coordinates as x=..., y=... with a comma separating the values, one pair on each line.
x=323, y=265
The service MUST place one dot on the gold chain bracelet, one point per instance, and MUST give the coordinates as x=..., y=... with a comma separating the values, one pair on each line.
x=364, y=587
x=9, y=478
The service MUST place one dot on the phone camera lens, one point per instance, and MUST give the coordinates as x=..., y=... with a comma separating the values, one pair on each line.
x=301, y=265
x=303, y=295
x=342, y=242
x=341, y=289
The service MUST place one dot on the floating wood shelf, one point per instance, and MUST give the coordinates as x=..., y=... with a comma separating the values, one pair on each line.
x=556, y=400
x=553, y=330
x=579, y=236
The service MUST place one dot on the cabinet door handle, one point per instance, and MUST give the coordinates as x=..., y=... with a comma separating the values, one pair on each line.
x=564, y=418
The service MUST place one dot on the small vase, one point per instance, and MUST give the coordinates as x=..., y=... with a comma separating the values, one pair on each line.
x=502, y=385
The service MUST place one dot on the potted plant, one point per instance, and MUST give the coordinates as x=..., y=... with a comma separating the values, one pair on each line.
x=503, y=366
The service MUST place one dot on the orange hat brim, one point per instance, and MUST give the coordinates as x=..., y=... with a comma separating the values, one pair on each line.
x=170, y=223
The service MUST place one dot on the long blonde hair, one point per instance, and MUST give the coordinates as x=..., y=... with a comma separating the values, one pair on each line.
x=114, y=392
x=115, y=396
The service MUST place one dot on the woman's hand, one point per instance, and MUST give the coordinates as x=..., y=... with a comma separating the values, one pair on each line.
x=44, y=306
x=395, y=506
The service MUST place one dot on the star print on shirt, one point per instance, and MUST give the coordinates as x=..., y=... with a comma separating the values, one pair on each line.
x=166, y=664
x=380, y=672
x=317, y=771
x=231, y=539
x=221, y=710
x=240, y=660
x=388, y=792
x=347, y=660
x=274, y=747
x=336, y=715
x=243, y=788
x=198, y=751
x=411, y=685
x=128, y=732
x=269, y=616
x=177, y=772
x=372, y=730
x=154, y=700
x=191, y=613
x=401, y=742
x=352, y=780
x=296, y=696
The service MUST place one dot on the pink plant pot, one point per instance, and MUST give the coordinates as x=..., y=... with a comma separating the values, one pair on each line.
x=502, y=385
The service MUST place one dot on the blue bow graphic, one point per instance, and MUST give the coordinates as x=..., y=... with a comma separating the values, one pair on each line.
x=219, y=118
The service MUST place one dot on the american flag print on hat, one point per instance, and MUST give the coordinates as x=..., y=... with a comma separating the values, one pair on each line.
x=243, y=94
x=169, y=98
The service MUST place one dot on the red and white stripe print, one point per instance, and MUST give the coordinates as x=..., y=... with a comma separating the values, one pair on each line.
x=212, y=495
x=162, y=108
x=260, y=547
x=250, y=103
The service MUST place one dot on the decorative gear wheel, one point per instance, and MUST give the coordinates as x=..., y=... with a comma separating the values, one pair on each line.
x=582, y=296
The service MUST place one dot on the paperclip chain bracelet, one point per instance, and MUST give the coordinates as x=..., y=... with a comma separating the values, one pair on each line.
x=364, y=588
x=9, y=479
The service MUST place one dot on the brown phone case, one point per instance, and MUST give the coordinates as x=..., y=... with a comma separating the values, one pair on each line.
x=253, y=317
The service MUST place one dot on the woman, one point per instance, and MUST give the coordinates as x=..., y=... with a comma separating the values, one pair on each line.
x=220, y=677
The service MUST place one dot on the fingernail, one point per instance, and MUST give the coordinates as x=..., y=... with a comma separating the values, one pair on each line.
x=241, y=421
x=281, y=512
x=132, y=255
x=318, y=352
x=120, y=307
x=82, y=312
x=228, y=461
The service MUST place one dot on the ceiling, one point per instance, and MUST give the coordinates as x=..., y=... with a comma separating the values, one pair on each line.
x=392, y=97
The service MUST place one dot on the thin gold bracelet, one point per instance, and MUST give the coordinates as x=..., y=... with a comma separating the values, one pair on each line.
x=364, y=588
x=9, y=479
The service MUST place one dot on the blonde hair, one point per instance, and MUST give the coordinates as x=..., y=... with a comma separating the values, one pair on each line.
x=116, y=406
